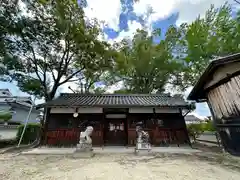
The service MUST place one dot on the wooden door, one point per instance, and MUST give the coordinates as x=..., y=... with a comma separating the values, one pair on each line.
x=115, y=132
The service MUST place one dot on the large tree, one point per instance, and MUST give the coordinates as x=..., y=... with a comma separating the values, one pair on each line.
x=8, y=17
x=54, y=44
x=182, y=56
x=144, y=66
x=215, y=35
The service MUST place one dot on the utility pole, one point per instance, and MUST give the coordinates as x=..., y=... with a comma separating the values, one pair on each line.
x=26, y=122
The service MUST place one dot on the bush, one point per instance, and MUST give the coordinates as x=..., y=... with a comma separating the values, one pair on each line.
x=5, y=116
x=31, y=133
x=195, y=130
x=208, y=126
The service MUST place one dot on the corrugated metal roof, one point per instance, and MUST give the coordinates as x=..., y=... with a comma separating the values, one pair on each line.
x=115, y=100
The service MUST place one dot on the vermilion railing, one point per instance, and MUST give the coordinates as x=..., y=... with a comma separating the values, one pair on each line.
x=157, y=136
x=71, y=136
x=161, y=136
x=63, y=136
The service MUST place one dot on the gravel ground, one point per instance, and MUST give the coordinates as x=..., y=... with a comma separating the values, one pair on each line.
x=119, y=167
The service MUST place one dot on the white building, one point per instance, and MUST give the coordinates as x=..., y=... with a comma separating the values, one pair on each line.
x=193, y=119
x=19, y=106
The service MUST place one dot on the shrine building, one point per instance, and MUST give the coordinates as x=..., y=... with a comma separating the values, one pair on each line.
x=219, y=86
x=114, y=119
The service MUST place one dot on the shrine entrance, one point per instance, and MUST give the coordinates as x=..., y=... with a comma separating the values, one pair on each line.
x=115, y=131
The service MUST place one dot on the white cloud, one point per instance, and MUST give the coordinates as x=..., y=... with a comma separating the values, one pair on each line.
x=109, y=12
x=188, y=9
x=115, y=87
x=104, y=10
x=133, y=26
x=159, y=8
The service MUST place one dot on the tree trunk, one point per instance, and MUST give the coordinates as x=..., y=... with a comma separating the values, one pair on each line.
x=44, y=126
x=45, y=120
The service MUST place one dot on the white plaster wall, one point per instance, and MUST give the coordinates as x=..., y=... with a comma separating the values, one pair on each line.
x=80, y=110
x=167, y=110
x=141, y=110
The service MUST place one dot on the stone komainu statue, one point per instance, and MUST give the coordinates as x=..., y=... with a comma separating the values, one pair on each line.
x=142, y=136
x=143, y=139
x=85, y=141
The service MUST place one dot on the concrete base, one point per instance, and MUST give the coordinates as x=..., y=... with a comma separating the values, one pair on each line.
x=143, y=146
x=83, y=154
x=143, y=152
x=108, y=150
x=84, y=150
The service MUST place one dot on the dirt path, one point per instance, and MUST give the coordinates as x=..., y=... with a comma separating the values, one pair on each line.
x=116, y=167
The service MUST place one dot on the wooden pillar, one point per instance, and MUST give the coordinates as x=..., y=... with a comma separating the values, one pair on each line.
x=185, y=127
x=155, y=132
x=102, y=129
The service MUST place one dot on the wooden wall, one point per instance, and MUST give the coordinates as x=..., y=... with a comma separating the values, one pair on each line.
x=172, y=131
x=64, y=129
x=230, y=137
x=221, y=73
x=225, y=99
x=61, y=132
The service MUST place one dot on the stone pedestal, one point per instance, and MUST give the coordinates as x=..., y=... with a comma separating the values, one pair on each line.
x=83, y=150
x=82, y=147
x=143, y=146
x=143, y=149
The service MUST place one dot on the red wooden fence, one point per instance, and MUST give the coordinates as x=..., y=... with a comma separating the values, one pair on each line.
x=63, y=136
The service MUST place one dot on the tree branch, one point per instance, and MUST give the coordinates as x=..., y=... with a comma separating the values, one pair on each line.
x=33, y=53
x=54, y=78
x=237, y=1
x=66, y=51
x=70, y=77
x=73, y=80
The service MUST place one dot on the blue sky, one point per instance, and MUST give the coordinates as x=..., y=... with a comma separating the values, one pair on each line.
x=120, y=19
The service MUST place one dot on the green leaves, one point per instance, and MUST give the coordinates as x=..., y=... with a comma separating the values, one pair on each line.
x=5, y=115
x=217, y=34
x=144, y=66
x=54, y=45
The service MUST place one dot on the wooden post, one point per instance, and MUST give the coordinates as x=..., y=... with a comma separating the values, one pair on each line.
x=102, y=126
x=216, y=127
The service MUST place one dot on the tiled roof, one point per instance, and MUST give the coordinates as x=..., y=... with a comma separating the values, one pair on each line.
x=115, y=100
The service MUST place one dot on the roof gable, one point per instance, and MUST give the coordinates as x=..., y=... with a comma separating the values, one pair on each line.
x=197, y=92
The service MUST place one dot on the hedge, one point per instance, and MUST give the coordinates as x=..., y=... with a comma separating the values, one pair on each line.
x=5, y=116
x=31, y=133
x=209, y=126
